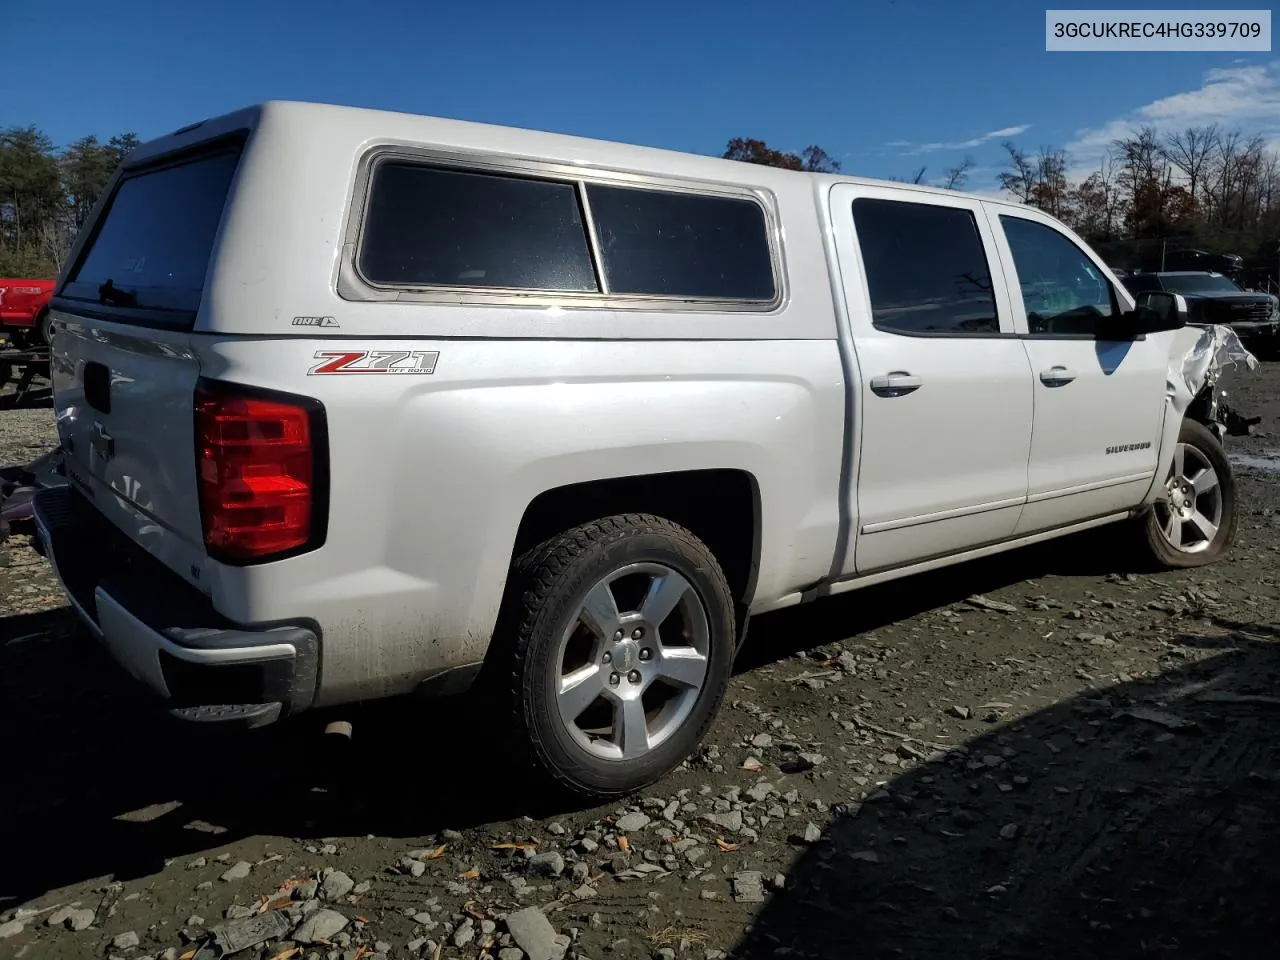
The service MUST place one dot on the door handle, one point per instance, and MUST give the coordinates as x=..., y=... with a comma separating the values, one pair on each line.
x=1057, y=376
x=895, y=384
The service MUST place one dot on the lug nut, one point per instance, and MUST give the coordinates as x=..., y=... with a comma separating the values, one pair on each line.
x=617, y=636
x=614, y=679
x=637, y=633
x=608, y=657
x=634, y=676
x=646, y=653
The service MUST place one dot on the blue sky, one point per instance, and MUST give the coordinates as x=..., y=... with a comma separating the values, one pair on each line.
x=887, y=86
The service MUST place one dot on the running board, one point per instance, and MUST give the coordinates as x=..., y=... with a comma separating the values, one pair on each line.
x=882, y=576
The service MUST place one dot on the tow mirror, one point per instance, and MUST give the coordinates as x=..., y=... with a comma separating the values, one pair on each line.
x=1157, y=311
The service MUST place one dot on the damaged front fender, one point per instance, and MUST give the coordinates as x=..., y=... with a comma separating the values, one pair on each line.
x=1199, y=355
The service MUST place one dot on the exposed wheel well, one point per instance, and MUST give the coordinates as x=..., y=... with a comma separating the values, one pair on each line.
x=720, y=507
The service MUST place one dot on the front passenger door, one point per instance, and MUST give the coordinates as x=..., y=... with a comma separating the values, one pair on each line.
x=1099, y=398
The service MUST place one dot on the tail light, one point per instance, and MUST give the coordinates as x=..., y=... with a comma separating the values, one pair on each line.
x=261, y=462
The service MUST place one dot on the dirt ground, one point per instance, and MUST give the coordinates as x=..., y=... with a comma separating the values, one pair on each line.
x=1041, y=755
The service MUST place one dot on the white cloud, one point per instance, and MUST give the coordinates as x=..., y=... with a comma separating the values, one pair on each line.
x=1246, y=98
x=978, y=141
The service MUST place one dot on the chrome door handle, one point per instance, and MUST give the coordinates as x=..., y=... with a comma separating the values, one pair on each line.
x=895, y=384
x=1057, y=376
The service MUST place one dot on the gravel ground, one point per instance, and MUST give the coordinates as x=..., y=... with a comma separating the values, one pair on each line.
x=1040, y=755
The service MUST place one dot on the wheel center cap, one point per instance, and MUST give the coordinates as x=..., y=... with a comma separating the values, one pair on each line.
x=626, y=655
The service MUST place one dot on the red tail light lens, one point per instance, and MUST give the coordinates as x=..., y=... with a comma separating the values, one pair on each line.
x=258, y=473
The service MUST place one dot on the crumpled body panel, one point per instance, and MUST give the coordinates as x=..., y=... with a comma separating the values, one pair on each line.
x=1206, y=351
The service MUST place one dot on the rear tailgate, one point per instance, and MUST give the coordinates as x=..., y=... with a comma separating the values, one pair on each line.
x=124, y=374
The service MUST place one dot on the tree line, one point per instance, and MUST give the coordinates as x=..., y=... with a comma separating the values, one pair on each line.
x=1203, y=188
x=46, y=194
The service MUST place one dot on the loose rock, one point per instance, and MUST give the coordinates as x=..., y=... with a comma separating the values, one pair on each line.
x=748, y=886
x=548, y=864
x=238, y=872
x=731, y=821
x=125, y=941
x=71, y=918
x=632, y=822
x=321, y=925
x=533, y=933
x=336, y=886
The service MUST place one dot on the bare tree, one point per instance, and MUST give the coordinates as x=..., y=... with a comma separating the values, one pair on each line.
x=1190, y=151
x=1050, y=189
x=1145, y=176
x=955, y=177
x=1021, y=179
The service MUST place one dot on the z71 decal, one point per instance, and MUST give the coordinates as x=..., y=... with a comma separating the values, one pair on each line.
x=374, y=361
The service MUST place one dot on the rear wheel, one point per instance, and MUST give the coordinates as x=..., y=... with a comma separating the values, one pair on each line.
x=1193, y=522
x=623, y=652
x=44, y=329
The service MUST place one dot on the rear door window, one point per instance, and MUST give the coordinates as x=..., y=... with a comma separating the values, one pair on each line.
x=150, y=248
x=927, y=271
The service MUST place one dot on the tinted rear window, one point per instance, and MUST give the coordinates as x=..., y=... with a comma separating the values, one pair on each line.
x=427, y=226
x=152, y=246
x=667, y=244
x=926, y=268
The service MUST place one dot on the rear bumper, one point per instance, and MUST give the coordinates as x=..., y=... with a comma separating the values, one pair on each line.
x=167, y=634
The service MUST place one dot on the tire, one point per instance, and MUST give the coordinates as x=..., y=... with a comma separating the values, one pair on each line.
x=571, y=643
x=44, y=329
x=1189, y=526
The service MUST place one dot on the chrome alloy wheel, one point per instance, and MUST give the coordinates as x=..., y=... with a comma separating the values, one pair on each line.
x=1189, y=510
x=633, y=661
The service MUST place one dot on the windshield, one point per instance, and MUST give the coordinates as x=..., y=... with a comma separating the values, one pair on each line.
x=1199, y=283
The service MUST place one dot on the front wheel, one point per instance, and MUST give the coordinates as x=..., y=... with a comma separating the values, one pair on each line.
x=623, y=652
x=1193, y=521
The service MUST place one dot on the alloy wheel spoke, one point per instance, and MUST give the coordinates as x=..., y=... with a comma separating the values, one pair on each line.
x=600, y=611
x=630, y=727
x=683, y=666
x=665, y=593
x=1205, y=480
x=579, y=690
x=1206, y=527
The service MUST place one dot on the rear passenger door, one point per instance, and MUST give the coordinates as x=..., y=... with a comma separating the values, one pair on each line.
x=943, y=408
x=1099, y=397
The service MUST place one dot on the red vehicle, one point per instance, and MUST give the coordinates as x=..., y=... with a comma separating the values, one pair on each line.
x=24, y=310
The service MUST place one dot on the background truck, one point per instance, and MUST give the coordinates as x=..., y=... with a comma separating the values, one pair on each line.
x=24, y=311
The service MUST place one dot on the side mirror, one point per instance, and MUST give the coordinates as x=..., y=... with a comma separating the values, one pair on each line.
x=1157, y=312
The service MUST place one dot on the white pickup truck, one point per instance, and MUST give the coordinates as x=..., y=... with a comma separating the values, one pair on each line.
x=354, y=404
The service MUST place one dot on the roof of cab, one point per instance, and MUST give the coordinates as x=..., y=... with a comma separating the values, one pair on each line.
x=371, y=124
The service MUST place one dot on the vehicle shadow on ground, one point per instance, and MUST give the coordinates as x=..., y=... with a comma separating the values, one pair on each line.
x=39, y=395
x=1080, y=830
x=99, y=780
